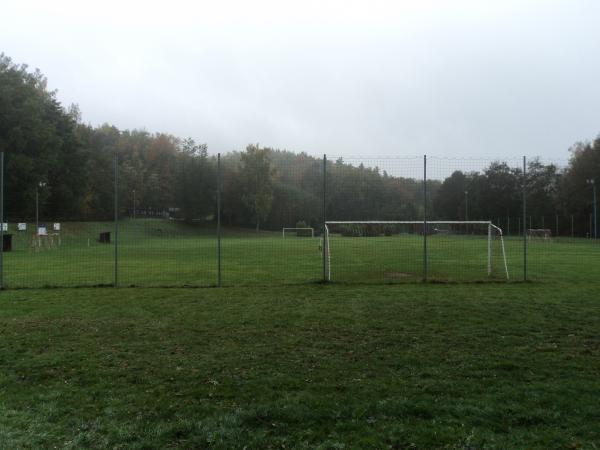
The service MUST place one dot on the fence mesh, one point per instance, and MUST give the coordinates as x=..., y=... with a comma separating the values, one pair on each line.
x=560, y=223
x=56, y=252
x=475, y=190
x=260, y=199
x=375, y=190
x=162, y=241
x=288, y=218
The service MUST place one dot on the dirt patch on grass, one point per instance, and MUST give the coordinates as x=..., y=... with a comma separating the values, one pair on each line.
x=398, y=275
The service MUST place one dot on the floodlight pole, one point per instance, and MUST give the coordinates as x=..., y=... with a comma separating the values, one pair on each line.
x=572, y=229
x=40, y=184
x=134, y=204
x=466, y=206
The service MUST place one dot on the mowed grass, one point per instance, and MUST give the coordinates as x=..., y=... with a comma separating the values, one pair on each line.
x=155, y=252
x=315, y=366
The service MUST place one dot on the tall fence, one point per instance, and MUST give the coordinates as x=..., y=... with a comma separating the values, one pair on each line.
x=268, y=222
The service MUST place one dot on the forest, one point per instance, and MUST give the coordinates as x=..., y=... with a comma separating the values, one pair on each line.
x=70, y=165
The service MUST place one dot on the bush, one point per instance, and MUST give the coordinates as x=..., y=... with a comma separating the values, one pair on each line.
x=372, y=230
x=389, y=230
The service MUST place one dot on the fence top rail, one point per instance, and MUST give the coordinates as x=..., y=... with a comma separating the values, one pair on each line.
x=393, y=222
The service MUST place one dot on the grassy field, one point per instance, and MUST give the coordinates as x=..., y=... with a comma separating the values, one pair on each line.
x=335, y=366
x=167, y=253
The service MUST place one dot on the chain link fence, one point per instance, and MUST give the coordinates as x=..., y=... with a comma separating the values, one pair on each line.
x=265, y=218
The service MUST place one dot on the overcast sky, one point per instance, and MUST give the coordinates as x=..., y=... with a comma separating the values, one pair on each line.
x=352, y=78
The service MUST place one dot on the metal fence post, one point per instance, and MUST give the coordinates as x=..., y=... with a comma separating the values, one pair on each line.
x=489, y=249
x=116, y=181
x=325, y=243
x=425, y=262
x=595, y=212
x=525, y=218
x=218, y=219
x=1, y=220
x=37, y=208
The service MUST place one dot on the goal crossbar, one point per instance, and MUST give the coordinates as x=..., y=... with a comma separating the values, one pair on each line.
x=489, y=224
x=400, y=222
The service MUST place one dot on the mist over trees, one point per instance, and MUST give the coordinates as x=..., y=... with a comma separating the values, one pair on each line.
x=71, y=165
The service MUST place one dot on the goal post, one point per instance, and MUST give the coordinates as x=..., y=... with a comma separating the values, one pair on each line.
x=492, y=227
x=300, y=232
x=374, y=228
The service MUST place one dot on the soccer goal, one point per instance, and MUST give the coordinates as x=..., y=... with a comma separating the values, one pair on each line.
x=299, y=232
x=480, y=244
x=540, y=233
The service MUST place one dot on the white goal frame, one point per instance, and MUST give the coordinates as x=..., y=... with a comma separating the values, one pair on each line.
x=312, y=230
x=542, y=233
x=490, y=227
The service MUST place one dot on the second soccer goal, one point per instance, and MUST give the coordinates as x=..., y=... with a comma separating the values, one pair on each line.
x=298, y=232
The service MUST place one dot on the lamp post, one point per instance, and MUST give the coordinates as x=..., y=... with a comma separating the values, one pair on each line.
x=467, y=206
x=134, y=204
x=593, y=183
x=41, y=184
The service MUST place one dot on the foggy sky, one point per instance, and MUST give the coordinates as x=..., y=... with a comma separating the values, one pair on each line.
x=346, y=78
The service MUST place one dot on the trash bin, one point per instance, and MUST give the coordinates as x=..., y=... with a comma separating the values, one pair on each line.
x=7, y=243
x=104, y=237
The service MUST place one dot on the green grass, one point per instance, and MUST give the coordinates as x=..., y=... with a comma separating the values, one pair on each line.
x=313, y=366
x=166, y=253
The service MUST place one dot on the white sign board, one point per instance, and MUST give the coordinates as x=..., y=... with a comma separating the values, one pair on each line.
x=4, y=226
x=42, y=231
x=21, y=227
x=56, y=226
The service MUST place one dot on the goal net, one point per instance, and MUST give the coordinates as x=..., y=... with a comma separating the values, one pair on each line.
x=540, y=233
x=299, y=232
x=452, y=250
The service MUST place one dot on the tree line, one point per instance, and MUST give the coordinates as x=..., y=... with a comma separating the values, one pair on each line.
x=559, y=199
x=69, y=165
